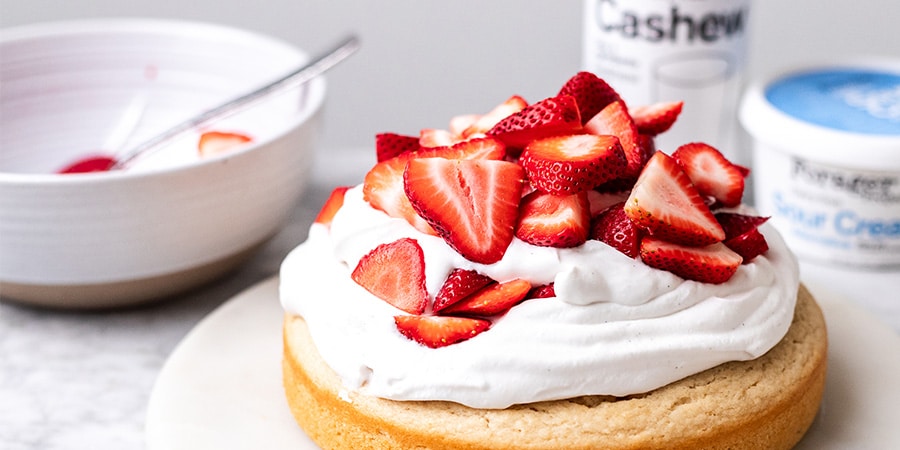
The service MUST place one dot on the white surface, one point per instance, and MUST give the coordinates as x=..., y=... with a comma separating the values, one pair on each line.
x=62, y=88
x=221, y=388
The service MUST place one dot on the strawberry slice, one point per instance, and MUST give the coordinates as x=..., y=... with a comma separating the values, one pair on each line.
x=549, y=117
x=332, y=205
x=494, y=299
x=574, y=163
x=487, y=121
x=591, y=93
x=439, y=331
x=389, y=145
x=472, y=204
x=459, y=284
x=542, y=291
x=714, y=263
x=475, y=148
x=395, y=273
x=383, y=189
x=614, y=120
x=712, y=174
x=665, y=203
x=613, y=227
x=656, y=118
x=548, y=220
x=218, y=142
x=742, y=234
x=433, y=137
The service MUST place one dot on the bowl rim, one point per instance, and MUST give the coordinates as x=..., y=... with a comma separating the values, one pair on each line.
x=315, y=96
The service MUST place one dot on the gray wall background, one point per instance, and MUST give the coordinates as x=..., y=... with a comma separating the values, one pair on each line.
x=424, y=61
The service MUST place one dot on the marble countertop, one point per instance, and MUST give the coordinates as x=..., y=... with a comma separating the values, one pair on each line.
x=82, y=379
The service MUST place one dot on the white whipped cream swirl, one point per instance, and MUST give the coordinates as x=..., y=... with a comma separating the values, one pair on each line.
x=616, y=327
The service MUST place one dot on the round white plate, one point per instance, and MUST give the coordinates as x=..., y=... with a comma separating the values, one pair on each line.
x=221, y=387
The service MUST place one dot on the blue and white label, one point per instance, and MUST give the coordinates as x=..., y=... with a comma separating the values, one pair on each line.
x=831, y=214
x=863, y=101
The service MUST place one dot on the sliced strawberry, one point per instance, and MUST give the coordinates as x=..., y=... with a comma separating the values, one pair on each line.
x=665, y=203
x=332, y=205
x=742, y=234
x=542, y=291
x=395, y=273
x=433, y=137
x=475, y=148
x=549, y=117
x=383, y=189
x=572, y=163
x=614, y=120
x=591, y=93
x=218, y=142
x=389, y=145
x=487, y=121
x=549, y=220
x=613, y=227
x=494, y=299
x=749, y=245
x=439, y=331
x=712, y=174
x=656, y=118
x=472, y=204
x=713, y=263
x=459, y=284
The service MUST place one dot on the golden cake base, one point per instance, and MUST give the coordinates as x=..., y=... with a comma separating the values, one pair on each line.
x=767, y=403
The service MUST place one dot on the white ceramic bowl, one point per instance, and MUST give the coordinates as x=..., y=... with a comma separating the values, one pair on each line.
x=174, y=220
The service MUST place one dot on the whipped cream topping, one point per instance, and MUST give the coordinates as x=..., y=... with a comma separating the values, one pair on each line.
x=616, y=327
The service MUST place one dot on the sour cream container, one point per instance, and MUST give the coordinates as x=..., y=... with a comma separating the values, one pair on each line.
x=826, y=160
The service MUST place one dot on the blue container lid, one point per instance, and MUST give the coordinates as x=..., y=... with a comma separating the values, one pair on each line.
x=846, y=115
x=857, y=100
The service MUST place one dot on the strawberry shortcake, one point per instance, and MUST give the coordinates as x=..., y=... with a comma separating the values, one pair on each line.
x=541, y=276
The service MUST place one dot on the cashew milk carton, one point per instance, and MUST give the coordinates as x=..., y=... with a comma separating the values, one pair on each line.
x=670, y=50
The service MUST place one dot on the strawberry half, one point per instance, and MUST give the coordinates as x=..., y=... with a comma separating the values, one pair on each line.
x=664, y=202
x=591, y=93
x=742, y=234
x=395, y=273
x=389, y=145
x=475, y=148
x=656, y=118
x=614, y=228
x=332, y=205
x=574, y=163
x=712, y=174
x=549, y=117
x=487, y=121
x=383, y=189
x=494, y=299
x=459, y=284
x=218, y=142
x=614, y=120
x=472, y=204
x=714, y=263
x=439, y=331
x=548, y=220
